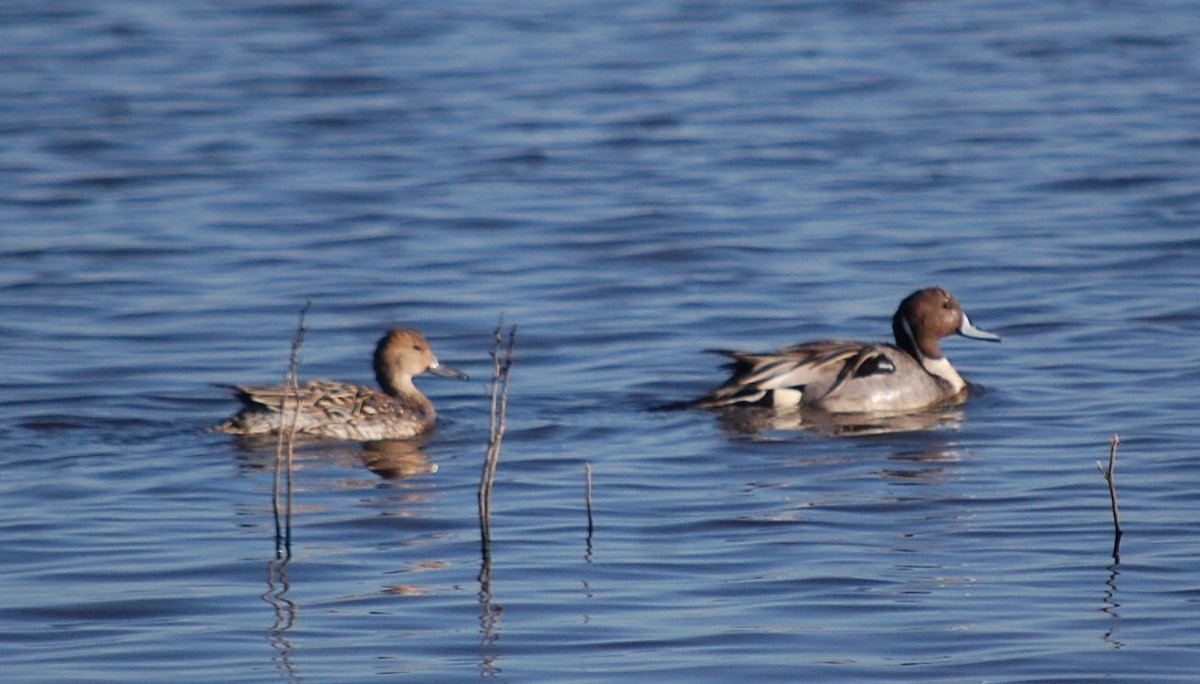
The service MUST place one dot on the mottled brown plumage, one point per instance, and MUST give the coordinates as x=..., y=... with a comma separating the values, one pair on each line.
x=341, y=410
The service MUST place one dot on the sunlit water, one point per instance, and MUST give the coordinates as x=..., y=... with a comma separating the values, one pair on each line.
x=629, y=184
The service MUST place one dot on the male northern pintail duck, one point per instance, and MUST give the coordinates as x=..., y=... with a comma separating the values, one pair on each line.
x=342, y=410
x=859, y=377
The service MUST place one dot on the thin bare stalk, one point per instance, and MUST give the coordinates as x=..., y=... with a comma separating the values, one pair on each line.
x=497, y=424
x=286, y=437
x=587, y=496
x=587, y=478
x=1110, y=477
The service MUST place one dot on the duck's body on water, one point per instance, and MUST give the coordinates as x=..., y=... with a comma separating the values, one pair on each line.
x=838, y=376
x=342, y=410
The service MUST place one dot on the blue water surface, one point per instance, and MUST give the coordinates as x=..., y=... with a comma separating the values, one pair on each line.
x=629, y=184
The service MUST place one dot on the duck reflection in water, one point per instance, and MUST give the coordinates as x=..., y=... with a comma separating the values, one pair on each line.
x=389, y=459
x=759, y=420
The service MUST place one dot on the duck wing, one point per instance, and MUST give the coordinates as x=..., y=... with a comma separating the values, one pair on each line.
x=800, y=374
x=321, y=402
x=312, y=394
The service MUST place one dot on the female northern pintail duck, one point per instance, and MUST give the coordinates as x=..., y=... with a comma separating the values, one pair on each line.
x=859, y=377
x=341, y=410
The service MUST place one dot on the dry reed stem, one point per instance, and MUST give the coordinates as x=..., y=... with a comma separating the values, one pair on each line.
x=1110, y=477
x=587, y=478
x=587, y=498
x=497, y=424
x=286, y=438
x=490, y=618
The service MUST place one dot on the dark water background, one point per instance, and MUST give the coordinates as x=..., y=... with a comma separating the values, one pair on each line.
x=629, y=183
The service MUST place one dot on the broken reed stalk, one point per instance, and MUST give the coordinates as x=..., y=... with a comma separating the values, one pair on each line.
x=1110, y=477
x=587, y=478
x=587, y=497
x=286, y=437
x=497, y=423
